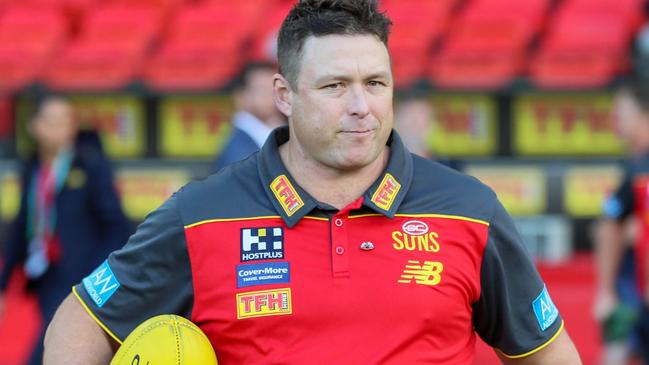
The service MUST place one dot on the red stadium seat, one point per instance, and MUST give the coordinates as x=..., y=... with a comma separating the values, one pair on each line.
x=489, y=70
x=28, y=37
x=109, y=50
x=82, y=68
x=204, y=47
x=264, y=40
x=417, y=26
x=586, y=44
x=487, y=43
x=574, y=70
x=178, y=71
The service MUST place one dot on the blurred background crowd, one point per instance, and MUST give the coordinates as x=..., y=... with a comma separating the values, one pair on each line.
x=536, y=98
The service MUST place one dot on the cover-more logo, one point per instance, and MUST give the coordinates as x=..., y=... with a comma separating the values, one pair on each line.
x=264, y=303
x=429, y=273
x=266, y=243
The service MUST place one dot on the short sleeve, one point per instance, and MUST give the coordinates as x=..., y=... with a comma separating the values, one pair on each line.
x=515, y=313
x=619, y=205
x=150, y=275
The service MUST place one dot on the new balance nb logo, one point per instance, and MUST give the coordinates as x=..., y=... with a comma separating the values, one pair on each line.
x=262, y=243
x=428, y=273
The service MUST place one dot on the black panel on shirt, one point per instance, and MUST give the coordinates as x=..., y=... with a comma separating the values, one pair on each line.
x=154, y=273
x=504, y=316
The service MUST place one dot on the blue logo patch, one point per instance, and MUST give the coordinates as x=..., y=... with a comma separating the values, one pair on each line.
x=545, y=310
x=612, y=207
x=264, y=273
x=265, y=243
x=101, y=284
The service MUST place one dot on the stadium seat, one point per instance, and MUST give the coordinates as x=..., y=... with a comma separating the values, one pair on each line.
x=574, y=70
x=28, y=37
x=487, y=44
x=109, y=51
x=417, y=26
x=586, y=44
x=264, y=39
x=204, y=47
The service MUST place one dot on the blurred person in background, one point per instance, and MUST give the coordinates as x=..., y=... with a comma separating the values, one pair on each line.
x=413, y=119
x=70, y=216
x=255, y=115
x=622, y=295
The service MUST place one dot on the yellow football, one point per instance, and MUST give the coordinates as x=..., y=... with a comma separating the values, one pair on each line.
x=166, y=340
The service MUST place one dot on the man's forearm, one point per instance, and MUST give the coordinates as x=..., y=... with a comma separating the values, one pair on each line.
x=609, y=248
x=73, y=337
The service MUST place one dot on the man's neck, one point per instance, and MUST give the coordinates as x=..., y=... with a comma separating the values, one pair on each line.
x=337, y=188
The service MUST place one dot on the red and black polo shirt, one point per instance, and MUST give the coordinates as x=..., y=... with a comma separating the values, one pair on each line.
x=406, y=274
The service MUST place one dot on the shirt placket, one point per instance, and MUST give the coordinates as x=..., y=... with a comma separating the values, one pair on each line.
x=340, y=245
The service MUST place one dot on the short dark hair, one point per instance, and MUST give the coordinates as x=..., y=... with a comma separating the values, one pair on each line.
x=637, y=86
x=326, y=17
x=241, y=81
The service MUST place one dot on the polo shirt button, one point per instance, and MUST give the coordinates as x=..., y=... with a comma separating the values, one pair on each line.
x=338, y=222
x=340, y=250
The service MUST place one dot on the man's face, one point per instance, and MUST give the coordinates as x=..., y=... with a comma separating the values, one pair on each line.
x=341, y=111
x=54, y=126
x=257, y=95
x=630, y=121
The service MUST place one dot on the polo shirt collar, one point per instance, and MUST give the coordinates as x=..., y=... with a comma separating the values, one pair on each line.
x=293, y=203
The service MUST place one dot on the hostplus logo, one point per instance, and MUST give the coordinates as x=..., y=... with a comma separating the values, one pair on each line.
x=265, y=243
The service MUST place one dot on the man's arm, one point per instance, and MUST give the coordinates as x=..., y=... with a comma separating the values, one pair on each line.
x=609, y=248
x=560, y=351
x=73, y=337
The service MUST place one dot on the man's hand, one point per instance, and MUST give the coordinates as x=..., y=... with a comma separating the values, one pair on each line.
x=604, y=304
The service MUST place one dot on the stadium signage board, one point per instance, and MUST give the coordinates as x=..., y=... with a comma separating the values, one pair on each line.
x=194, y=126
x=522, y=190
x=586, y=188
x=464, y=125
x=143, y=191
x=564, y=124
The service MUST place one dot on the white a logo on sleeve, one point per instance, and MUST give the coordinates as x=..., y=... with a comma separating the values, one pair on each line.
x=101, y=284
x=545, y=310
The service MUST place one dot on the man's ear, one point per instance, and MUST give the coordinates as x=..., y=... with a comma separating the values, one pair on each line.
x=283, y=94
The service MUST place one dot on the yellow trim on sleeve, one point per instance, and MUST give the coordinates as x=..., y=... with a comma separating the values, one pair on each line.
x=536, y=349
x=74, y=290
x=230, y=220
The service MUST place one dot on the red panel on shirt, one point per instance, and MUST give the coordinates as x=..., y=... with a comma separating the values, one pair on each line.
x=416, y=279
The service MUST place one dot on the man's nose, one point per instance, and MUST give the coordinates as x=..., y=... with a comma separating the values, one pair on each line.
x=357, y=103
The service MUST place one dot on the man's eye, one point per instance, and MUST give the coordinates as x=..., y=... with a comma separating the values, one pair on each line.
x=337, y=85
x=375, y=83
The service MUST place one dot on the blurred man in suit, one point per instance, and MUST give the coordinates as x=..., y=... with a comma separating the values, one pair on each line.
x=255, y=116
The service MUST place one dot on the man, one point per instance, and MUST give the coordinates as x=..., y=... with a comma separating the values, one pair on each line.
x=255, y=116
x=331, y=245
x=70, y=217
x=622, y=280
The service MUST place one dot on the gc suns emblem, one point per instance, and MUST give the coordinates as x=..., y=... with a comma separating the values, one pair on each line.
x=367, y=246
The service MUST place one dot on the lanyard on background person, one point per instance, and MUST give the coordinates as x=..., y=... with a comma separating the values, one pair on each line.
x=43, y=247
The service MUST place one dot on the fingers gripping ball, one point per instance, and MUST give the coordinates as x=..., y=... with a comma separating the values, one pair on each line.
x=166, y=340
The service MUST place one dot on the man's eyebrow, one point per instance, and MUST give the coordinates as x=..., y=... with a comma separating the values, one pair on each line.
x=339, y=77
